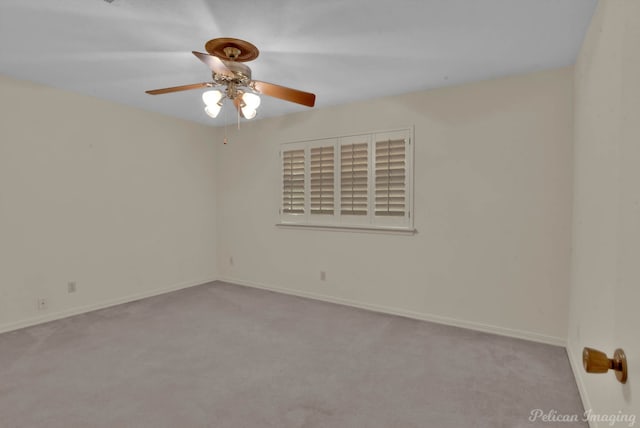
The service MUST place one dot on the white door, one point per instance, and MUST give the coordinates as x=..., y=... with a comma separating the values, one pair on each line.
x=605, y=298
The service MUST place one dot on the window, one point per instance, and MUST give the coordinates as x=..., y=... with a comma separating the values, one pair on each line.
x=354, y=183
x=357, y=181
x=293, y=182
x=390, y=177
x=322, y=180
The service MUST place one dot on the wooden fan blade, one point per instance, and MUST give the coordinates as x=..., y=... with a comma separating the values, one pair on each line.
x=179, y=88
x=214, y=63
x=236, y=102
x=293, y=95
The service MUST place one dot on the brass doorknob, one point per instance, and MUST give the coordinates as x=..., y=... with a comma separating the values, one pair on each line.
x=595, y=361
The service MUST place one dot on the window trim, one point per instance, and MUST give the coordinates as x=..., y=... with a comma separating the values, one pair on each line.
x=346, y=228
x=338, y=222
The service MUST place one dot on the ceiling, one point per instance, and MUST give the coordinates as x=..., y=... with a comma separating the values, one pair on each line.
x=343, y=51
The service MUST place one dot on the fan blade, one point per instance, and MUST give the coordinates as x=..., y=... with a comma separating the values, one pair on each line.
x=179, y=88
x=236, y=102
x=214, y=63
x=293, y=95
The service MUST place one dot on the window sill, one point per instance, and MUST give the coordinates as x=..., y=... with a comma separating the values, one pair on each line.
x=357, y=229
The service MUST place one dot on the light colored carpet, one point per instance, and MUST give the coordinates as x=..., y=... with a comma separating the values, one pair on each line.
x=222, y=355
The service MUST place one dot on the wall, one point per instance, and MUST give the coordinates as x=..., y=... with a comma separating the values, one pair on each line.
x=493, y=191
x=606, y=236
x=123, y=202
x=119, y=200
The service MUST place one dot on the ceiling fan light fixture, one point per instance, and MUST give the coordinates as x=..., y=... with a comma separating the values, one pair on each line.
x=225, y=59
x=212, y=110
x=212, y=98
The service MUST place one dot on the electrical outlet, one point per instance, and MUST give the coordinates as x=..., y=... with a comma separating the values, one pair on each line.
x=323, y=275
x=42, y=304
x=71, y=287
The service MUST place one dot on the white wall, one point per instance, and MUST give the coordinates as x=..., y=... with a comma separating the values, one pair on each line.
x=606, y=238
x=493, y=191
x=119, y=200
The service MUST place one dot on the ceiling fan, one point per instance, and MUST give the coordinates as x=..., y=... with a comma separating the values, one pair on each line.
x=225, y=59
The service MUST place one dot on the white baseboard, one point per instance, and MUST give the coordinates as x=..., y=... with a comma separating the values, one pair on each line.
x=487, y=328
x=92, y=307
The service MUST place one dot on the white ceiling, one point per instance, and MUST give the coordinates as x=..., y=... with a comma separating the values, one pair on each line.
x=341, y=50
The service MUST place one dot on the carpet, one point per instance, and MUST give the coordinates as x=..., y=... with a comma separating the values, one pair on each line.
x=223, y=355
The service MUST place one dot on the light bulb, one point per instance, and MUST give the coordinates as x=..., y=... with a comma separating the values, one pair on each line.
x=212, y=110
x=211, y=98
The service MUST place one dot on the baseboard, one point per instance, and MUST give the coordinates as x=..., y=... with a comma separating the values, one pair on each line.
x=576, y=366
x=88, y=308
x=487, y=328
x=502, y=331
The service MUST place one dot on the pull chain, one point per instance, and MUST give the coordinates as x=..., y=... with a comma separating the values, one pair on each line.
x=225, y=141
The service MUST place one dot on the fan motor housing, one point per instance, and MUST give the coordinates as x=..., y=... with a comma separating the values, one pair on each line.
x=241, y=71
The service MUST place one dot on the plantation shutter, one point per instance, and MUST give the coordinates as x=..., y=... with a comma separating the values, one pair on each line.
x=293, y=181
x=390, y=177
x=322, y=164
x=354, y=179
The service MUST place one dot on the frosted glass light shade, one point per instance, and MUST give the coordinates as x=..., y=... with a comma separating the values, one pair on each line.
x=248, y=113
x=212, y=110
x=211, y=98
x=251, y=100
x=251, y=103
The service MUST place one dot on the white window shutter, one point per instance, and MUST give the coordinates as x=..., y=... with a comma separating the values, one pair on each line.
x=390, y=177
x=322, y=173
x=354, y=179
x=293, y=181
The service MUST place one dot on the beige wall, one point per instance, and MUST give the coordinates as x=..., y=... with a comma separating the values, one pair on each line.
x=606, y=238
x=493, y=191
x=119, y=200
x=128, y=203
